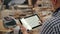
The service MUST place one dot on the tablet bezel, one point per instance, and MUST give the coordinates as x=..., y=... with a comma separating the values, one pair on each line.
x=31, y=16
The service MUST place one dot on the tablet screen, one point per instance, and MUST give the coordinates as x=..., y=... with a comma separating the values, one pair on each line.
x=31, y=22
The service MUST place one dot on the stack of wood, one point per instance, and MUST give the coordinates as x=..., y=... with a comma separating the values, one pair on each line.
x=0, y=7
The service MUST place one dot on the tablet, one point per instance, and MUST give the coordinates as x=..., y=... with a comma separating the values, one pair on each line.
x=31, y=22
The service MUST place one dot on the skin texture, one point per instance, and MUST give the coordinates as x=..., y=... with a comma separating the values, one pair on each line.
x=23, y=29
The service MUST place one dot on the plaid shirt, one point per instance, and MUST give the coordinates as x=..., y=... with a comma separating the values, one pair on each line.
x=52, y=26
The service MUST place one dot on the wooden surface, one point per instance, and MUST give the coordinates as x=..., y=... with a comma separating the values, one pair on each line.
x=0, y=15
x=29, y=2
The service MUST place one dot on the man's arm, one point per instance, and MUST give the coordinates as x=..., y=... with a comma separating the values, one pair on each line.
x=47, y=28
x=51, y=26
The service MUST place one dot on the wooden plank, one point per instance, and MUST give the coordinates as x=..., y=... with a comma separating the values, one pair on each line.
x=23, y=6
x=0, y=14
x=30, y=2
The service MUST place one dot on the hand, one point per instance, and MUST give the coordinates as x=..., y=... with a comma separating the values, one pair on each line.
x=23, y=29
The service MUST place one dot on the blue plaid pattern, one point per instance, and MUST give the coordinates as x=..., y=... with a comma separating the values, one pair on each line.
x=52, y=26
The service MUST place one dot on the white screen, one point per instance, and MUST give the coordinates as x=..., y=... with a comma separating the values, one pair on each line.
x=30, y=22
